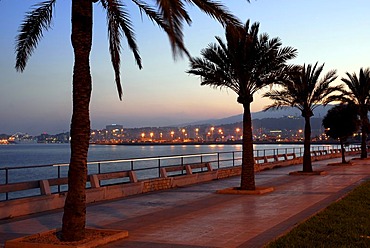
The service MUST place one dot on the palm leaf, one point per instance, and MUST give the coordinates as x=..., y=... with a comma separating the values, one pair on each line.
x=176, y=40
x=119, y=22
x=217, y=11
x=31, y=31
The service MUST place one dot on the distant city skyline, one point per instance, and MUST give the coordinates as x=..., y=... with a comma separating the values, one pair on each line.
x=39, y=100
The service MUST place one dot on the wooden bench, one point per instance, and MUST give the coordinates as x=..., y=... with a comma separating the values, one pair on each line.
x=319, y=153
x=96, y=178
x=189, y=169
x=274, y=158
x=44, y=185
x=14, y=187
x=333, y=151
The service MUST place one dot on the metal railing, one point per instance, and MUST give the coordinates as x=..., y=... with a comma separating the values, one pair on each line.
x=145, y=168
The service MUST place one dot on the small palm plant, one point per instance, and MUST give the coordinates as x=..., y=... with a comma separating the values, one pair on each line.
x=358, y=93
x=303, y=89
x=245, y=64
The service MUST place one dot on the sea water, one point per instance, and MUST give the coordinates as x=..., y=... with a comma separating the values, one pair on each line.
x=15, y=155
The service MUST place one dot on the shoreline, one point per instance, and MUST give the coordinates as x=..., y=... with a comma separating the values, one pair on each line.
x=239, y=142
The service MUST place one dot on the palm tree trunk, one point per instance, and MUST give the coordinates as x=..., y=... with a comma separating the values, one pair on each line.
x=307, y=164
x=364, y=129
x=342, y=150
x=74, y=218
x=247, y=175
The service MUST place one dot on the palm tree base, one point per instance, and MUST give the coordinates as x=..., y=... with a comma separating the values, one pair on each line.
x=49, y=239
x=238, y=191
x=310, y=173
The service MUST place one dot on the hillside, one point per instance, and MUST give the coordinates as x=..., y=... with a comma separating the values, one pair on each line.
x=319, y=113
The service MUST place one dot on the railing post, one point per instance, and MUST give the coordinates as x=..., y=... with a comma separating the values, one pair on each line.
x=6, y=182
x=6, y=175
x=132, y=165
x=218, y=160
x=159, y=167
x=98, y=168
x=58, y=178
x=233, y=159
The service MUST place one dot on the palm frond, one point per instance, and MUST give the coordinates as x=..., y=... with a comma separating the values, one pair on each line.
x=246, y=63
x=359, y=87
x=174, y=14
x=118, y=21
x=323, y=89
x=31, y=31
x=301, y=88
x=176, y=40
x=281, y=98
x=216, y=11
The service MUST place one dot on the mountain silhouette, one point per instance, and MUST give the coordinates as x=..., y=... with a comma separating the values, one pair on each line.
x=319, y=112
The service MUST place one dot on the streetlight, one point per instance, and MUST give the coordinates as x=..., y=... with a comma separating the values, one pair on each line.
x=172, y=134
x=183, y=134
x=237, y=132
x=151, y=135
x=300, y=131
x=212, y=129
x=220, y=134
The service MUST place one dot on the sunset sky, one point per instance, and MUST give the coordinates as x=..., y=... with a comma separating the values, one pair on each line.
x=334, y=32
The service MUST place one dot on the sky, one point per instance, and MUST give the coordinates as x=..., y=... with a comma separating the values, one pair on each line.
x=334, y=32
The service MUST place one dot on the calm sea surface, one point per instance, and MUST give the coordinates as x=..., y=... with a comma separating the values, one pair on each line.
x=42, y=154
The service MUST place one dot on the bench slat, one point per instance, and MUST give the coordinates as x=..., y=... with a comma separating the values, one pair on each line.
x=12, y=187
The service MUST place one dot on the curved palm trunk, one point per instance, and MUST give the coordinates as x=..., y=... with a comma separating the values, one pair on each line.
x=247, y=175
x=74, y=217
x=364, y=127
x=307, y=164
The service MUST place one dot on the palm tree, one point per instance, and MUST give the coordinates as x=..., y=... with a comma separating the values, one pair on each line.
x=340, y=123
x=167, y=14
x=302, y=89
x=359, y=94
x=245, y=64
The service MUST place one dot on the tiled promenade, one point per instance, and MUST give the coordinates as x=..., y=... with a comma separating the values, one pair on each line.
x=196, y=217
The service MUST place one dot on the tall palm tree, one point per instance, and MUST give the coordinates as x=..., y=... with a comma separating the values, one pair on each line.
x=303, y=89
x=359, y=94
x=167, y=14
x=245, y=64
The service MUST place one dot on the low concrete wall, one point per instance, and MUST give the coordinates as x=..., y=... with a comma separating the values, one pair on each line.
x=30, y=205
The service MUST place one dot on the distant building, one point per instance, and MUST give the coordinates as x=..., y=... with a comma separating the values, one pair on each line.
x=114, y=132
